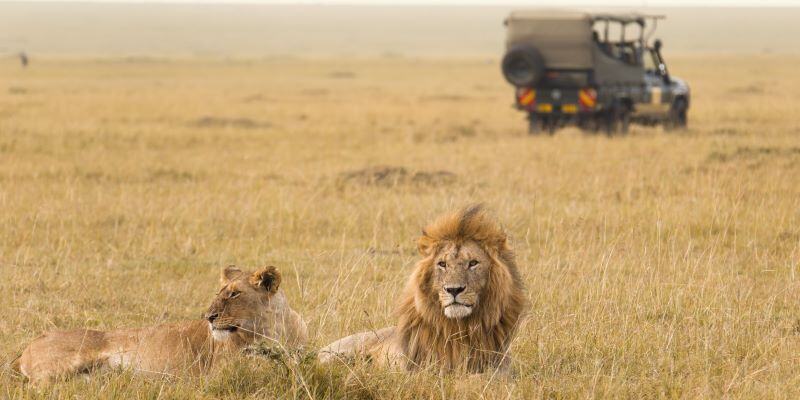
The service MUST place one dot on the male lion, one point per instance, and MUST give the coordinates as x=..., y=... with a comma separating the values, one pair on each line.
x=460, y=308
x=248, y=307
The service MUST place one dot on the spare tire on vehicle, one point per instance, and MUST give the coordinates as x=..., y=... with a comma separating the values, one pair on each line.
x=523, y=65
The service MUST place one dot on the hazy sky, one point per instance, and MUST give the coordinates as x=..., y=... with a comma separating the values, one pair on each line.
x=181, y=28
x=622, y=3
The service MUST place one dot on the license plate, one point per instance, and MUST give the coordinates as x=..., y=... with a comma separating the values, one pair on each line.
x=544, y=108
x=569, y=108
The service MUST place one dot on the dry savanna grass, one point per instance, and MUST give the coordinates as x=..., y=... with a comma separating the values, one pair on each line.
x=658, y=265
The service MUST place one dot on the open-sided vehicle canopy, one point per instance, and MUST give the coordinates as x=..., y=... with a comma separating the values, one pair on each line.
x=564, y=38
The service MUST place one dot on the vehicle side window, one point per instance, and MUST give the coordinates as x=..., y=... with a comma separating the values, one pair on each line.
x=627, y=52
x=606, y=47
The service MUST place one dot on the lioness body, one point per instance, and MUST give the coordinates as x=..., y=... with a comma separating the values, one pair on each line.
x=460, y=308
x=248, y=308
x=162, y=349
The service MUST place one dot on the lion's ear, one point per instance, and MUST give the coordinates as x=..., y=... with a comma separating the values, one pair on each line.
x=425, y=244
x=502, y=242
x=228, y=274
x=268, y=279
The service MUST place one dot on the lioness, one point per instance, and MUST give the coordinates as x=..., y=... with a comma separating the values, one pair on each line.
x=460, y=308
x=248, y=307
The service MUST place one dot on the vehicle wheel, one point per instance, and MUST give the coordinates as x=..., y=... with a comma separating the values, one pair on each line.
x=534, y=124
x=587, y=125
x=610, y=122
x=523, y=66
x=550, y=125
x=678, y=118
x=624, y=118
x=542, y=124
x=595, y=124
x=617, y=119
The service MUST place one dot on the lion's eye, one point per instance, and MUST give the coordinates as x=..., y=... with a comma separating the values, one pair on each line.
x=234, y=295
x=473, y=263
x=442, y=264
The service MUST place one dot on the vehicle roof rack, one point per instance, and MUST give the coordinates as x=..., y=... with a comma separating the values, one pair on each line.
x=626, y=18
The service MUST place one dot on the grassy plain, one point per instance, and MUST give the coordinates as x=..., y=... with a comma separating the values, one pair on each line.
x=658, y=265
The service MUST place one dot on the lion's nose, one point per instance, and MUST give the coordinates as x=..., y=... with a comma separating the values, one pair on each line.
x=454, y=290
x=212, y=317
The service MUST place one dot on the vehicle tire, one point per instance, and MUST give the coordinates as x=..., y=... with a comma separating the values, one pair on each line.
x=617, y=119
x=678, y=118
x=610, y=122
x=587, y=125
x=624, y=116
x=523, y=66
x=540, y=124
x=534, y=124
x=594, y=124
x=552, y=125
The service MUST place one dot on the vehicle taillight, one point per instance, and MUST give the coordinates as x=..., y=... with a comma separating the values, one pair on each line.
x=526, y=97
x=587, y=98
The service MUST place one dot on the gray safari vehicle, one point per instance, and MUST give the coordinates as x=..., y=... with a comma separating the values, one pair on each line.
x=567, y=69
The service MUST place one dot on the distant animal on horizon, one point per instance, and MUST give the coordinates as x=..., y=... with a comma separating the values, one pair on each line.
x=460, y=308
x=249, y=307
x=23, y=59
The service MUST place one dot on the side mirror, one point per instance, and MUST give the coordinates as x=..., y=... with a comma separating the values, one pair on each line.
x=662, y=70
x=657, y=45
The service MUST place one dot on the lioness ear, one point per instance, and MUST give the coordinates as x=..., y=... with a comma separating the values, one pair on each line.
x=228, y=274
x=268, y=278
x=425, y=244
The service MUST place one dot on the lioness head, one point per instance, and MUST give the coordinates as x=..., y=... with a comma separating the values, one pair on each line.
x=239, y=311
x=466, y=262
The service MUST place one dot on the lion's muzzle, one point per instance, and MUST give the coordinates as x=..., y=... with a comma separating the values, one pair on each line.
x=457, y=310
x=455, y=305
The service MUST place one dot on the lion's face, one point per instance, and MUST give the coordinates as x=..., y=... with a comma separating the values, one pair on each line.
x=241, y=305
x=461, y=272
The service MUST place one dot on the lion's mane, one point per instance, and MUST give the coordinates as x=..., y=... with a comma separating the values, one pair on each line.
x=481, y=340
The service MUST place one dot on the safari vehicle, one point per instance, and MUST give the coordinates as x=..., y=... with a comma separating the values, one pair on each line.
x=567, y=69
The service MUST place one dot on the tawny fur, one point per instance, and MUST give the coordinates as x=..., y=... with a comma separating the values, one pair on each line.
x=424, y=335
x=249, y=307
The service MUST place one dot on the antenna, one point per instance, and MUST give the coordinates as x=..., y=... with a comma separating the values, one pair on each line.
x=655, y=19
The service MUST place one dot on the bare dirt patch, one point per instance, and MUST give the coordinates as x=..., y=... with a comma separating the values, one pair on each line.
x=748, y=153
x=727, y=131
x=221, y=122
x=749, y=89
x=389, y=176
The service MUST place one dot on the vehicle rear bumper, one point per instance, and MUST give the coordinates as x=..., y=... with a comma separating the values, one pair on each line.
x=557, y=109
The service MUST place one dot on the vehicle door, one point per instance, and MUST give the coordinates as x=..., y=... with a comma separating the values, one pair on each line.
x=657, y=94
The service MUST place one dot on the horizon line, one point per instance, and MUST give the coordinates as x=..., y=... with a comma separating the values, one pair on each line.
x=416, y=3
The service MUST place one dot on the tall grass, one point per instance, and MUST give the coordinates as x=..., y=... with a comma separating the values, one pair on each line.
x=657, y=264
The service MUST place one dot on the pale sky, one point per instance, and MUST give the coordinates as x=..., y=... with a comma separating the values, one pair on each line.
x=531, y=3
